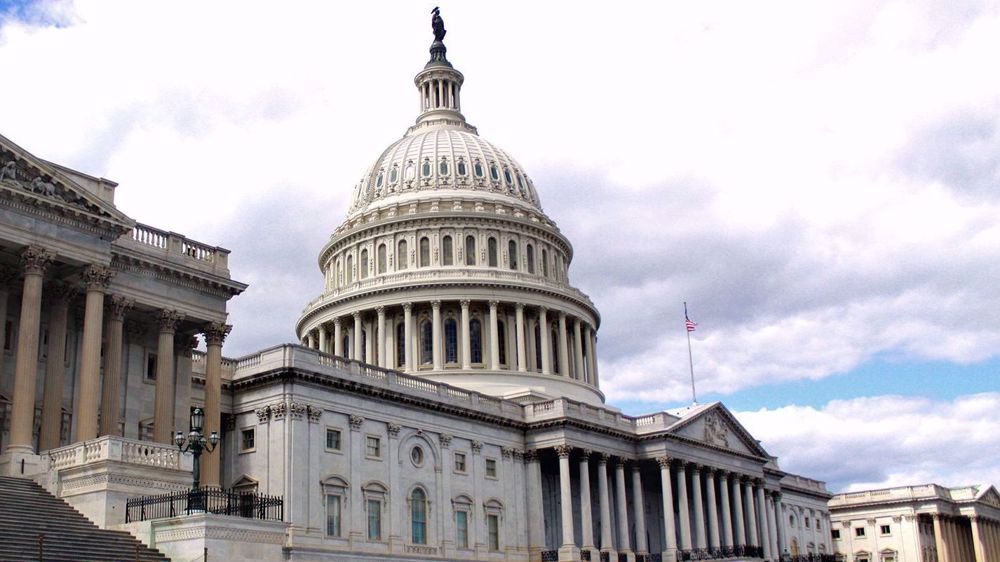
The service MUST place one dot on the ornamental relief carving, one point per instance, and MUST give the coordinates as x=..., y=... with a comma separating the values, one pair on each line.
x=17, y=172
x=716, y=431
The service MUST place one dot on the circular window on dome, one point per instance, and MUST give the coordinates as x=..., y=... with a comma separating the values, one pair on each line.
x=443, y=168
x=494, y=172
x=461, y=168
x=478, y=168
x=393, y=174
x=426, y=169
x=417, y=456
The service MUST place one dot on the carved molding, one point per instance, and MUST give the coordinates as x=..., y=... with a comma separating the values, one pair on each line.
x=36, y=259
x=263, y=414
x=477, y=447
x=167, y=320
x=355, y=422
x=119, y=306
x=393, y=429
x=563, y=451
x=215, y=332
x=445, y=440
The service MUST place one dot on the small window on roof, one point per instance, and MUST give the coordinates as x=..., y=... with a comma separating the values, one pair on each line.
x=443, y=168
x=507, y=176
x=378, y=180
x=462, y=170
x=494, y=172
x=426, y=169
x=393, y=174
x=478, y=168
x=409, y=172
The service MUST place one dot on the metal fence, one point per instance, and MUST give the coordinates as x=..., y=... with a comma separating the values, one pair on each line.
x=201, y=500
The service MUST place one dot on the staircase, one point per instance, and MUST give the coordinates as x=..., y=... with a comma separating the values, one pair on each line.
x=27, y=510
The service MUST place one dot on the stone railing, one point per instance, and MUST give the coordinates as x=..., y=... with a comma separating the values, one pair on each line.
x=174, y=247
x=454, y=274
x=902, y=493
x=803, y=483
x=119, y=449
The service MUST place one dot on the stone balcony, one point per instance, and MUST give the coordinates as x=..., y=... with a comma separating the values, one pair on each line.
x=176, y=249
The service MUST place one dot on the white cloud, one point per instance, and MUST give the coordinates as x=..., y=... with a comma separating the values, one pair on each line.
x=885, y=441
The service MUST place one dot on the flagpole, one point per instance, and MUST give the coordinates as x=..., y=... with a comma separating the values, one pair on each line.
x=694, y=395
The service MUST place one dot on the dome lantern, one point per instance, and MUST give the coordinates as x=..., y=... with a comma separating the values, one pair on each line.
x=439, y=83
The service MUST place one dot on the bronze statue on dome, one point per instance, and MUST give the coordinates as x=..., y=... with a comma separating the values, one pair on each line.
x=437, y=24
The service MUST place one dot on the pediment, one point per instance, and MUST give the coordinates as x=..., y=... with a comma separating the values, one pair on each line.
x=715, y=425
x=990, y=497
x=25, y=176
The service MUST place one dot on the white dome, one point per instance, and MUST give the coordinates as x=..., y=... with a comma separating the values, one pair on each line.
x=444, y=158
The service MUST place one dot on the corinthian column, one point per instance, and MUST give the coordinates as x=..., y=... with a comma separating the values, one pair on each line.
x=604, y=499
x=466, y=336
x=436, y=334
x=380, y=337
x=727, y=513
x=741, y=537
x=668, y=509
x=566, y=501
x=96, y=279
x=546, y=343
x=713, y=513
x=55, y=367
x=625, y=544
x=564, y=369
x=682, y=506
x=8, y=276
x=640, y=511
x=163, y=406
x=577, y=351
x=112, y=383
x=522, y=358
x=586, y=513
x=699, y=510
x=215, y=333
x=765, y=534
x=408, y=346
x=35, y=260
x=751, y=516
x=494, y=337
x=536, y=525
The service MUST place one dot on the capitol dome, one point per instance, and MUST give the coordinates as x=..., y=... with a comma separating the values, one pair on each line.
x=446, y=266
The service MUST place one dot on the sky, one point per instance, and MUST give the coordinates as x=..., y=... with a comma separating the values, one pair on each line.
x=819, y=181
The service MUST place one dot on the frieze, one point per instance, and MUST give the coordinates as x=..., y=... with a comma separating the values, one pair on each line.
x=17, y=172
x=263, y=414
x=314, y=413
x=716, y=431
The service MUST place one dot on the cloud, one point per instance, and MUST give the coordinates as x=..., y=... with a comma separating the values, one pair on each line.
x=885, y=441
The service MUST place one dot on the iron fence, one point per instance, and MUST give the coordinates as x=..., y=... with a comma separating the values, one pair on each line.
x=200, y=500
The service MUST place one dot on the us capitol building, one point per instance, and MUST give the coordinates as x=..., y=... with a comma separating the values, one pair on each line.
x=443, y=403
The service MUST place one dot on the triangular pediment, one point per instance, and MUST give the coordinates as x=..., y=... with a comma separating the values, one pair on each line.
x=24, y=176
x=990, y=497
x=715, y=425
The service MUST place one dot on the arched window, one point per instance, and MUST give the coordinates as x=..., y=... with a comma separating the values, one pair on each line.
x=470, y=250
x=512, y=254
x=545, y=262
x=476, y=340
x=338, y=275
x=418, y=516
x=531, y=258
x=401, y=345
x=538, y=346
x=349, y=270
x=382, y=258
x=451, y=341
x=491, y=245
x=447, y=256
x=401, y=257
x=363, y=264
x=426, y=343
x=425, y=252
x=502, y=336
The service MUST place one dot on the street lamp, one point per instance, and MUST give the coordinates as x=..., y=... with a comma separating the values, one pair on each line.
x=196, y=443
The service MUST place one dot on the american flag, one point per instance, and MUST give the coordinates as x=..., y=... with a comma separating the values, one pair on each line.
x=690, y=325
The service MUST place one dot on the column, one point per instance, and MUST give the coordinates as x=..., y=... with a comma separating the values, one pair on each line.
x=682, y=506
x=939, y=540
x=568, y=547
x=815, y=528
x=338, y=338
x=380, y=336
x=112, y=384
x=779, y=518
x=604, y=499
x=727, y=512
x=713, y=513
x=163, y=408
x=96, y=279
x=577, y=351
x=536, y=523
x=436, y=334
x=55, y=366
x=765, y=535
x=546, y=343
x=741, y=537
x=699, y=508
x=641, y=547
x=624, y=544
x=586, y=512
x=494, y=337
x=588, y=342
x=370, y=336
x=324, y=339
x=772, y=527
x=356, y=337
x=522, y=360
x=751, y=515
x=408, y=336
x=215, y=333
x=310, y=340
x=594, y=379
x=564, y=369
x=466, y=337
x=670, y=533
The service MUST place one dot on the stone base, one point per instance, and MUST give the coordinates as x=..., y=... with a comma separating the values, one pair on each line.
x=569, y=553
x=612, y=554
x=20, y=464
x=220, y=536
x=669, y=556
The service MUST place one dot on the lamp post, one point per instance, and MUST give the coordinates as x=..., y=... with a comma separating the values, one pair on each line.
x=196, y=443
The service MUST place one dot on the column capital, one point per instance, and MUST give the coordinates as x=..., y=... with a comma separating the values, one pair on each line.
x=356, y=314
x=380, y=310
x=36, y=259
x=393, y=429
x=519, y=306
x=494, y=303
x=775, y=495
x=531, y=455
x=96, y=277
x=445, y=440
x=664, y=462
x=464, y=303
x=620, y=462
x=563, y=451
x=355, y=421
x=603, y=458
x=758, y=481
x=336, y=321
x=507, y=452
x=586, y=453
x=543, y=310
x=119, y=306
x=215, y=332
x=436, y=304
x=167, y=320
x=477, y=447
x=407, y=306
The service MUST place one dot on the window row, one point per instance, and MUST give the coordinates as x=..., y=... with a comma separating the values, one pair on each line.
x=512, y=179
x=375, y=498
x=536, y=263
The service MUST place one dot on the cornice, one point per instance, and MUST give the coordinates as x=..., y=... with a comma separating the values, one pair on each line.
x=28, y=203
x=124, y=259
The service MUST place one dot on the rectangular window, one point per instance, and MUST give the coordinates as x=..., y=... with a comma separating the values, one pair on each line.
x=491, y=468
x=493, y=531
x=247, y=439
x=460, y=462
x=333, y=516
x=462, y=529
x=151, y=367
x=859, y=532
x=835, y=534
x=373, y=447
x=332, y=439
x=884, y=529
x=374, y=520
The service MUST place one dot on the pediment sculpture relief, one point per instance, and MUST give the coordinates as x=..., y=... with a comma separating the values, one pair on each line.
x=18, y=173
x=716, y=431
